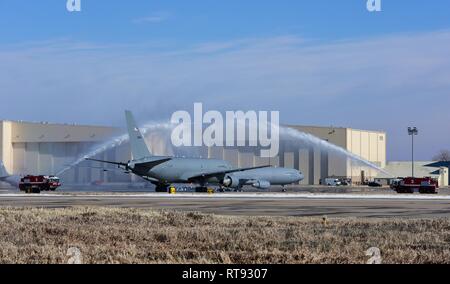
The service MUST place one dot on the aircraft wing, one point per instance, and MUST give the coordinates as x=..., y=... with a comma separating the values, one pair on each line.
x=147, y=165
x=220, y=174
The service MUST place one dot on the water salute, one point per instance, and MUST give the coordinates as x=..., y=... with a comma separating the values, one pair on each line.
x=217, y=141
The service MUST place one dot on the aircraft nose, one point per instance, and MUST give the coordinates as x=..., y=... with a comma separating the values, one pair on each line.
x=298, y=176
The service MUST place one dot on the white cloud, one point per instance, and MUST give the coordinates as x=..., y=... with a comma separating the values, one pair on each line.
x=153, y=18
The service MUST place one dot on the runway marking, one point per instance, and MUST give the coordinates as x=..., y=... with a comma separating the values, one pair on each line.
x=267, y=196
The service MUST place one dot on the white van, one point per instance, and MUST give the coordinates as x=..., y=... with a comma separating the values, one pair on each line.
x=332, y=182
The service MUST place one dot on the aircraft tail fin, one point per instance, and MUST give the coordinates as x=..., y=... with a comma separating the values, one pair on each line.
x=3, y=172
x=139, y=148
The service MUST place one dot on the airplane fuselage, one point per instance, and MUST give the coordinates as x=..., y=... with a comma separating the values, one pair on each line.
x=178, y=170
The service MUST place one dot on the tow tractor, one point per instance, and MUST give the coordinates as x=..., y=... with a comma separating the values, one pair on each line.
x=410, y=185
x=36, y=184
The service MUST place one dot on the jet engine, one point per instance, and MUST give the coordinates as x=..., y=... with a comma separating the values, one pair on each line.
x=230, y=181
x=261, y=184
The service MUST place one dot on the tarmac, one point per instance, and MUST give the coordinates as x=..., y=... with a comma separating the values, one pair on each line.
x=301, y=201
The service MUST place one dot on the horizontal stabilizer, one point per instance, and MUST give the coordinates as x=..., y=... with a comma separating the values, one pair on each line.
x=137, y=166
x=3, y=172
x=107, y=162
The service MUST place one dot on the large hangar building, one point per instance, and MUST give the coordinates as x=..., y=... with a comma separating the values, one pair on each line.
x=45, y=148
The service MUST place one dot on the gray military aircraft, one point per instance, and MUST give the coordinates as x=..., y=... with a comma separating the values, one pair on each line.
x=164, y=170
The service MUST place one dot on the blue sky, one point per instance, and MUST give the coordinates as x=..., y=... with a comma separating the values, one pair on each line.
x=319, y=62
x=199, y=20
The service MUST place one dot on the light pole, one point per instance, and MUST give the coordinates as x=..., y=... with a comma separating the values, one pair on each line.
x=413, y=131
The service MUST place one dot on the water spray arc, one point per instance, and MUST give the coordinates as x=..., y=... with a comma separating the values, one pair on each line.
x=116, y=142
x=310, y=140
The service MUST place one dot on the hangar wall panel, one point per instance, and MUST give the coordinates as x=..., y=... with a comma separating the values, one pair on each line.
x=60, y=160
x=259, y=161
x=231, y=155
x=373, y=147
x=45, y=159
x=304, y=165
x=355, y=142
x=337, y=165
x=364, y=144
x=324, y=164
x=71, y=154
x=382, y=149
x=289, y=160
x=317, y=165
x=19, y=154
x=215, y=152
x=245, y=160
x=275, y=161
x=32, y=157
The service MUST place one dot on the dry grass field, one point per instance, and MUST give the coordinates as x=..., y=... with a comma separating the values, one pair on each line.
x=108, y=235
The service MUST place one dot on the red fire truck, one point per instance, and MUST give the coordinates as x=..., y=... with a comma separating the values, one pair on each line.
x=36, y=184
x=410, y=185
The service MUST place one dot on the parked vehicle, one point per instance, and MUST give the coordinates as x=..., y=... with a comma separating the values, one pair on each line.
x=345, y=181
x=374, y=184
x=332, y=182
x=36, y=184
x=395, y=183
x=426, y=185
